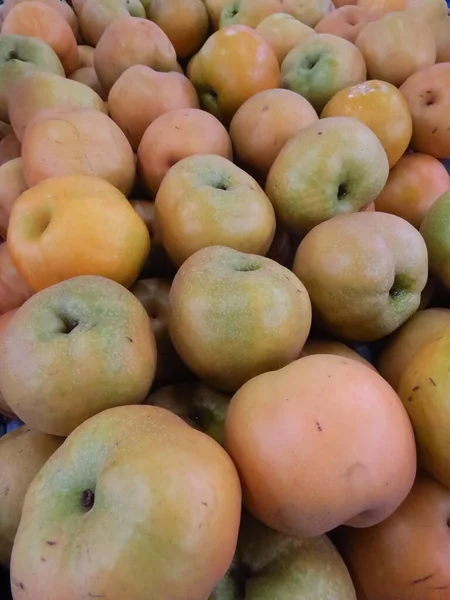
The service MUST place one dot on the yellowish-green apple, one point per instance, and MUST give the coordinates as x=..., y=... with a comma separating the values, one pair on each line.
x=136, y=504
x=20, y=55
x=283, y=32
x=364, y=272
x=435, y=230
x=96, y=15
x=248, y=12
x=332, y=167
x=73, y=350
x=235, y=315
x=22, y=454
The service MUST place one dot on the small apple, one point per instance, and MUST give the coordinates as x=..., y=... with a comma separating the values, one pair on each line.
x=306, y=188
x=199, y=405
x=22, y=454
x=19, y=55
x=405, y=557
x=131, y=487
x=235, y=315
x=320, y=66
x=364, y=272
x=85, y=344
x=270, y=565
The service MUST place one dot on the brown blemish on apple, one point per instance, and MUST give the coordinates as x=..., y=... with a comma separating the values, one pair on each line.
x=432, y=381
x=51, y=543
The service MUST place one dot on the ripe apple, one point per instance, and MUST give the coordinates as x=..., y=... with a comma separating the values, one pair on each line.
x=327, y=346
x=306, y=442
x=131, y=487
x=248, y=12
x=320, y=66
x=435, y=231
x=269, y=564
x=12, y=185
x=96, y=16
x=406, y=557
x=62, y=8
x=235, y=315
x=364, y=272
x=5, y=410
x=199, y=405
x=88, y=76
x=309, y=12
x=206, y=200
x=37, y=91
x=283, y=32
x=154, y=297
x=85, y=344
x=442, y=37
x=346, y=22
x=14, y=290
x=19, y=55
x=423, y=389
x=23, y=452
x=306, y=188
x=419, y=330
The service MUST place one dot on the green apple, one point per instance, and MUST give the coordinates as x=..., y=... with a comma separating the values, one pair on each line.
x=335, y=166
x=321, y=66
x=435, y=230
x=196, y=403
x=134, y=505
x=73, y=350
x=272, y=566
x=22, y=454
x=19, y=55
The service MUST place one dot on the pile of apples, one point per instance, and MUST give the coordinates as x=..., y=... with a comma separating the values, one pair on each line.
x=224, y=299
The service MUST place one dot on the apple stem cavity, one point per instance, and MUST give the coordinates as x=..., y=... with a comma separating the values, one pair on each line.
x=87, y=499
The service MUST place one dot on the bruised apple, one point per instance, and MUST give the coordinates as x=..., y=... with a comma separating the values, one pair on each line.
x=404, y=344
x=201, y=406
x=85, y=345
x=411, y=549
x=134, y=486
x=235, y=315
x=154, y=296
x=306, y=188
x=233, y=64
x=306, y=443
x=364, y=272
x=76, y=225
x=206, y=200
x=23, y=452
x=269, y=564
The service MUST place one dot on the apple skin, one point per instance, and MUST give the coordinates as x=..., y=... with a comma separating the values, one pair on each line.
x=73, y=350
x=22, y=454
x=364, y=272
x=435, y=230
x=307, y=188
x=405, y=557
x=133, y=486
x=235, y=315
x=271, y=565
x=197, y=404
x=19, y=55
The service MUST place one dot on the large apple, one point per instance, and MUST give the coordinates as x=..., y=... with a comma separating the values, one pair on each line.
x=135, y=504
x=73, y=350
x=320, y=66
x=206, y=200
x=364, y=272
x=270, y=565
x=235, y=315
x=307, y=188
x=22, y=454
x=407, y=556
x=199, y=405
x=306, y=442
x=19, y=55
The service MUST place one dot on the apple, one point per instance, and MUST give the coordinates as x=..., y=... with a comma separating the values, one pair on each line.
x=328, y=346
x=19, y=55
x=88, y=76
x=206, y=200
x=22, y=454
x=434, y=229
x=5, y=410
x=406, y=557
x=131, y=487
x=271, y=565
x=283, y=32
x=12, y=185
x=14, y=290
x=199, y=405
x=248, y=12
x=309, y=12
x=235, y=315
x=96, y=15
x=38, y=91
x=364, y=272
x=320, y=66
x=306, y=442
x=306, y=188
x=154, y=296
x=85, y=344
